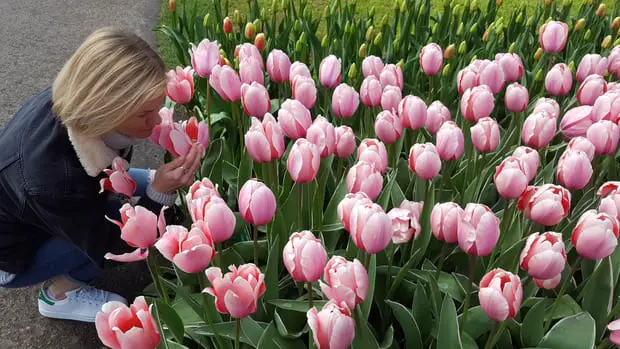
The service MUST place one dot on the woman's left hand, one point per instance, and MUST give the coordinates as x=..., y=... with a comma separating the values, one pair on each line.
x=179, y=172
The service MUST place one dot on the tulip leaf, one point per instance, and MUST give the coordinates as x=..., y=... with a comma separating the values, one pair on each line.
x=364, y=337
x=331, y=222
x=170, y=318
x=188, y=307
x=252, y=330
x=372, y=276
x=532, y=326
x=224, y=329
x=388, y=339
x=245, y=169
x=174, y=345
x=397, y=195
x=290, y=324
x=271, y=274
x=597, y=295
x=468, y=341
x=448, y=284
x=295, y=305
x=271, y=339
x=448, y=333
x=509, y=258
x=384, y=199
x=421, y=310
x=478, y=322
x=413, y=338
x=575, y=331
x=318, y=199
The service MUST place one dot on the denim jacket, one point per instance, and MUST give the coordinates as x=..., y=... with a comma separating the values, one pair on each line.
x=49, y=187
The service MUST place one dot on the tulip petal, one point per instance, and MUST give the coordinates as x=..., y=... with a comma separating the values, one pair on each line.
x=137, y=255
x=493, y=303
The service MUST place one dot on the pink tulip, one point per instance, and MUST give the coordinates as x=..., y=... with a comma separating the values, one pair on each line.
x=345, y=101
x=364, y=177
x=559, y=80
x=180, y=85
x=614, y=61
x=391, y=75
x=236, y=292
x=388, y=126
x=198, y=207
x=299, y=69
x=216, y=218
x=530, y=160
x=257, y=204
x=607, y=107
x=544, y=256
x=424, y=160
x=538, y=130
x=614, y=335
x=304, y=90
x=445, y=218
x=477, y=103
x=549, y=284
x=118, y=181
x=322, y=134
x=583, y=144
x=492, y=76
x=371, y=91
x=431, y=59
x=345, y=142
x=190, y=251
x=549, y=105
x=330, y=71
x=373, y=151
x=390, y=98
x=248, y=50
x=511, y=65
x=608, y=188
x=250, y=71
x=139, y=226
x=371, y=227
x=264, y=140
x=516, y=98
x=510, y=178
x=332, y=327
x=345, y=281
x=610, y=204
x=436, y=115
x=303, y=161
x=345, y=207
x=478, y=230
x=205, y=57
x=304, y=257
x=500, y=294
x=576, y=121
x=591, y=88
x=178, y=137
x=372, y=66
x=255, y=99
x=122, y=327
x=466, y=78
x=604, y=136
x=613, y=87
x=202, y=189
x=591, y=64
x=485, y=135
x=596, y=235
x=226, y=83
x=294, y=119
x=412, y=111
x=278, y=66
x=546, y=205
x=405, y=221
x=450, y=141
x=553, y=36
x=574, y=169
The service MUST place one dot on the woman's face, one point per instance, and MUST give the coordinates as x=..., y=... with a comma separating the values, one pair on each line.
x=141, y=124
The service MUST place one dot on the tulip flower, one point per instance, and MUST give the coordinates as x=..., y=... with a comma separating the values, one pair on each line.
x=203, y=188
x=477, y=102
x=591, y=88
x=445, y=218
x=303, y=161
x=264, y=140
x=424, y=160
x=500, y=294
x=345, y=101
x=614, y=329
x=583, y=144
x=373, y=151
x=332, y=327
x=371, y=91
x=177, y=137
x=248, y=50
x=294, y=119
x=391, y=75
x=365, y=177
x=546, y=205
x=574, y=169
x=405, y=221
x=610, y=204
x=260, y=41
x=450, y=141
x=511, y=65
x=346, y=206
x=330, y=71
x=466, y=78
x=510, y=178
x=431, y=59
x=250, y=71
x=388, y=126
x=549, y=105
x=205, y=57
x=139, y=226
x=299, y=69
x=516, y=98
x=614, y=61
x=345, y=142
x=390, y=98
x=372, y=66
x=345, y=281
x=226, y=82
x=371, y=227
x=122, y=327
x=591, y=64
x=596, y=235
x=485, y=135
x=215, y=217
x=492, y=75
x=304, y=257
x=255, y=99
x=548, y=284
x=530, y=160
x=180, y=85
x=304, y=90
x=538, y=130
x=553, y=36
x=190, y=251
x=544, y=256
x=413, y=112
x=278, y=66
x=322, y=134
x=576, y=121
x=118, y=181
x=559, y=80
x=604, y=136
x=478, y=230
x=227, y=26
x=257, y=204
x=608, y=188
x=436, y=115
x=607, y=107
x=236, y=292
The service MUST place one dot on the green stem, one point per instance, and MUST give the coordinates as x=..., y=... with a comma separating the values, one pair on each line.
x=494, y=335
x=237, y=331
x=565, y=283
x=442, y=257
x=218, y=255
x=152, y=264
x=506, y=219
x=310, y=303
x=202, y=281
x=300, y=218
x=340, y=168
x=326, y=104
x=255, y=244
x=604, y=344
x=209, y=105
x=472, y=275
x=237, y=116
x=394, y=155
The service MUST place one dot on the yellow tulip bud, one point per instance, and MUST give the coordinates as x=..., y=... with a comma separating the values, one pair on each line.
x=258, y=24
x=250, y=31
x=512, y=48
x=205, y=21
x=539, y=75
x=600, y=11
x=325, y=41
x=449, y=51
x=606, y=42
x=487, y=34
x=463, y=47
x=363, y=51
x=459, y=30
x=260, y=41
x=588, y=35
x=538, y=54
x=498, y=3
x=378, y=39
x=352, y=72
x=616, y=23
x=446, y=70
x=172, y=5
x=571, y=66
x=581, y=23
x=237, y=17
x=401, y=64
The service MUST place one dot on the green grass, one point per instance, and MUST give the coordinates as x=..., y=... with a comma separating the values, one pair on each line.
x=382, y=7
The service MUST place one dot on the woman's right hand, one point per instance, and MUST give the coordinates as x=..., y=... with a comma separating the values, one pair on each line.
x=179, y=172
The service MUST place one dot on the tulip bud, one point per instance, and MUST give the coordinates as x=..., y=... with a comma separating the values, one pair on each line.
x=548, y=2
x=378, y=39
x=297, y=26
x=588, y=35
x=616, y=23
x=606, y=42
x=363, y=51
x=539, y=75
x=601, y=10
x=530, y=21
x=474, y=28
x=519, y=18
x=474, y=5
x=446, y=70
x=580, y=24
x=487, y=34
x=299, y=46
x=449, y=52
x=384, y=21
x=205, y=21
x=260, y=41
x=370, y=33
x=237, y=17
x=347, y=27
x=459, y=30
x=538, y=54
x=263, y=13
x=352, y=72
x=307, y=13
x=463, y=47
x=227, y=26
x=324, y=41
x=172, y=5
x=512, y=47
x=403, y=7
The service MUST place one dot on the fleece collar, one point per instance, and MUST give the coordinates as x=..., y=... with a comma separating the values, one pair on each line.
x=93, y=153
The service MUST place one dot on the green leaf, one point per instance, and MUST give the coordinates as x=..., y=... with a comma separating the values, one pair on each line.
x=372, y=276
x=448, y=333
x=270, y=339
x=421, y=309
x=449, y=285
x=295, y=305
x=245, y=169
x=271, y=273
x=598, y=295
x=290, y=324
x=468, y=342
x=330, y=216
x=576, y=331
x=252, y=330
x=478, y=322
x=318, y=197
x=187, y=307
x=388, y=339
x=175, y=345
x=224, y=329
x=532, y=327
x=413, y=338
x=364, y=338
x=384, y=199
x=509, y=257
x=171, y=319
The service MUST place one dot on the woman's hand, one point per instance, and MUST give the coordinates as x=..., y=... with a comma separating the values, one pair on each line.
x=179, y=172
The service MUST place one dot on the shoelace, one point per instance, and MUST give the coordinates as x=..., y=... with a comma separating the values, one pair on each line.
x=92, y=294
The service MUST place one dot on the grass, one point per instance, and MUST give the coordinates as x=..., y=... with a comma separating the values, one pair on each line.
x=382, y=7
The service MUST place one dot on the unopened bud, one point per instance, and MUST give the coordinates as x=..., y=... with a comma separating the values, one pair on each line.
x=225, y=61
x=205, y=21
x=335, y=42
x=347, y=27
x=449, y=51
x=172, y=5
x=303, y=38
x=422, y=11
x=395, y=45
x=324, y=41
x=616, y=23
x=403, y=6
x=260, y=41
x=617, y=42
x=297, y=26
x=401, y=64
x=463, y=47
x=307, y=13
x=283, y=5
x=581, y=23
x=326, y=11
x=372, y=12
x=299, y=46
x=459, y=30
x=538, y=54
x=352, y=72
x=487, y=34
x=237, y=17
x=588, y=35
x=548, y=2
x=600, y=11
x=473, y=59
x=474, y=28
x=250, y=31
x=512, y=48
x=571, y=66
x=530, y=21
x=363, y=51
x=606, y=42
x=384, y=21
x=539, y=75
x=519, y=18
x=227, y=26
x=378, y=39
x=474, y=5
x=498, y=3
x=446, y=70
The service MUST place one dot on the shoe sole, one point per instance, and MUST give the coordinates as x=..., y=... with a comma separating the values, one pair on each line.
x=65, y=316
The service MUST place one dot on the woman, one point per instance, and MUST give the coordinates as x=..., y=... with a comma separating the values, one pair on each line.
x=52, y=217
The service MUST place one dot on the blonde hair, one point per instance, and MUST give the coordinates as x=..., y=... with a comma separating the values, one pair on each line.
x=108, y=79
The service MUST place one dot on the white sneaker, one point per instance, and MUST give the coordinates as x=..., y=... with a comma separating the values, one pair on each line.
x=81, y=304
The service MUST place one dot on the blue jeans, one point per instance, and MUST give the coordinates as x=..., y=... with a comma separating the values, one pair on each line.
x=59, y=257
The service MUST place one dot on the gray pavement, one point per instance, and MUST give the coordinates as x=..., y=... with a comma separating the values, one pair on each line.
x=37, y=37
